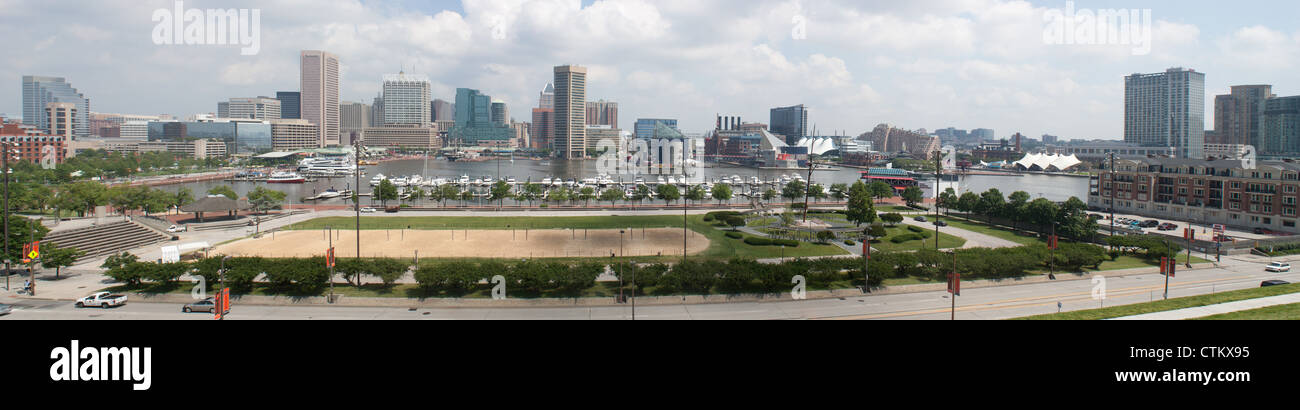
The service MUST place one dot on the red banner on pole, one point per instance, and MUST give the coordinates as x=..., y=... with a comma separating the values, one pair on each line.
x=1164, y=266
x=329, y=258
x=954, y=283
x=223, y=303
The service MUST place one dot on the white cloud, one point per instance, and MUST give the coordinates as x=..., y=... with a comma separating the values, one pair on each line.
x=964, y=63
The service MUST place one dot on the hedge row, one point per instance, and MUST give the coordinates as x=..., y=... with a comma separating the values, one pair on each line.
x=756, y=241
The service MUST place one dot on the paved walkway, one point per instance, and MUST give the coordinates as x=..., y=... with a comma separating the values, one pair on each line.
x=1203, y=311
x=973, y=239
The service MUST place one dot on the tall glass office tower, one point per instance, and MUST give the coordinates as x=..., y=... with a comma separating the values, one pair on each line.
x=39, y=91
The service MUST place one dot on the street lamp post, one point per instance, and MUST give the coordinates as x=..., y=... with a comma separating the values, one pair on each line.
x=938, y=178
x=5, y=147
x=356, y=151
x=222, y=274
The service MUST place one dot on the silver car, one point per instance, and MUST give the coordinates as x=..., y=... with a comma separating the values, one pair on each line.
x=5, y=309
x=205, y=305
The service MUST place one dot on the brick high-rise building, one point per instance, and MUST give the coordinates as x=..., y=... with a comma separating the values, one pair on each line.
x=602, y=113
x=1239, y=116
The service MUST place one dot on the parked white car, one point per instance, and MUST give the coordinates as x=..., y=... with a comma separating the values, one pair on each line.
x=1278, y=267
x=369, y=210
x=175, y=229
x=102, y=299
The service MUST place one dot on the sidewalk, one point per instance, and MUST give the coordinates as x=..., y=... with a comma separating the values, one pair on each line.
x=1203, y=311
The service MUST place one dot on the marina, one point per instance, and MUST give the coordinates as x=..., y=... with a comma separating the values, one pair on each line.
x=477, y=177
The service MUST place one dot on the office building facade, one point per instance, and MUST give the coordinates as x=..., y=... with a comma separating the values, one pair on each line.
x=443, y=110
x=242, y=137
x=790, y=122
x=258, y=108
x=290, y=104
x=407, y=100
x=570, y=112
x=602, y=113
x=474, y=122
x=1239, y=115
x=39, y=91
x=61, y=118
x=1166, y=109
x=1281, y=128
x=320, y=93
x=296, y=134
x=354, y=116
x=645, y=127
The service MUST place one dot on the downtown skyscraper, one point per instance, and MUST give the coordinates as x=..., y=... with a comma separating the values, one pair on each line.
x=39, y=91
x=407, y=100
x=790, y=122
x=1239, y=115
x=1166, y=110
x=570, y=112
x=320, y=93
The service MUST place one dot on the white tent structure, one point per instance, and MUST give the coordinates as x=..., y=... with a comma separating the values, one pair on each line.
x=1047, y=162
x=817, y=146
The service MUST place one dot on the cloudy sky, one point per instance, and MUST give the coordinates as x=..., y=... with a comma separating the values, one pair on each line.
x=915, y=64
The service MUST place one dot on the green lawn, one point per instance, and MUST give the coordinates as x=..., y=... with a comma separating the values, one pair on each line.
x=994, y=231
x=1279, y=312
x=1171, y=304
x=946, y=241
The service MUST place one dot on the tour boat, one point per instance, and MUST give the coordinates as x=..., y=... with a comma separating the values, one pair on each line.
x=285, y=178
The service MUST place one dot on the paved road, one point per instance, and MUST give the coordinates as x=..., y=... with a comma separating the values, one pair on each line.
x=983, y=303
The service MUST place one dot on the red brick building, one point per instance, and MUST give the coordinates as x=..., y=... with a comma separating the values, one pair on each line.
x=1203, y=192
x=31, y=142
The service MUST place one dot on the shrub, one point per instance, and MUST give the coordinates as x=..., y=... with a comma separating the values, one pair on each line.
x=735, y=235
x=756, y=241
x=791, y=243
x=915, y=228
x=850, y=242
x=905, y=238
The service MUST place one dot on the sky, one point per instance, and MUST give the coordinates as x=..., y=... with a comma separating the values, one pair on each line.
x=855, y=64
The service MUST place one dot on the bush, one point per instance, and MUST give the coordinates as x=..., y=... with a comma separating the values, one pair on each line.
x=905, y=238
x=735, y=235
x=790, y=243
x=756, y=241
x=915, y=228
x=850, y=242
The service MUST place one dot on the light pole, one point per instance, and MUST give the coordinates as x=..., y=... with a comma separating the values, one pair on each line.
x=5, y=147
x=938, y=177
x=356, y=151
x=222, y=274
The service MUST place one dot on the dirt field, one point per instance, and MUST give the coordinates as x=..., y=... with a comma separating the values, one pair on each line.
x=480, y=244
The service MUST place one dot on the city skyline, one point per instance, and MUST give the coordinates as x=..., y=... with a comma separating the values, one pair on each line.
x=987, y=67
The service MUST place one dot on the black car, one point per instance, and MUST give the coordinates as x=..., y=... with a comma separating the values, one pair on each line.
x=920, y=219
x=1274, y=282
x=940, y=223
x=1150, y=223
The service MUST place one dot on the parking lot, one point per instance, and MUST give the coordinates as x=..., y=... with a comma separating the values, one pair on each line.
x=1203, y=232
